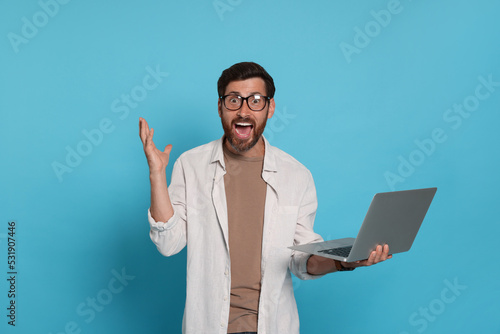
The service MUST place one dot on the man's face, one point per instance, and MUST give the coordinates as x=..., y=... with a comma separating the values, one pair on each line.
x=244, y=127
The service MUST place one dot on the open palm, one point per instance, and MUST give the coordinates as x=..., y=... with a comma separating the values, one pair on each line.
x=157, y=160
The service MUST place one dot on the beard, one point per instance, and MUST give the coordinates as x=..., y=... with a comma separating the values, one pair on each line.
x=243, y=145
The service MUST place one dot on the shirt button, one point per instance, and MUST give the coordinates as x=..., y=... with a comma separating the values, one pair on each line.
x=226, y=272
x=225, y=298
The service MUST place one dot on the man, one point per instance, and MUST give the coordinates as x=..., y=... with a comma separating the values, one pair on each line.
x=238, y=203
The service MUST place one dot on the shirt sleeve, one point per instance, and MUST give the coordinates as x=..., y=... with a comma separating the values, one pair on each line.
x=170, y=236
x=304, y=233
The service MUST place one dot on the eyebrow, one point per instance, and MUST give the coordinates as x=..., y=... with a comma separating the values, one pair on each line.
x=238, y=93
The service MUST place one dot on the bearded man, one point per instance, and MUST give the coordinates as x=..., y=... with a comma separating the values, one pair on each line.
x=238, y=203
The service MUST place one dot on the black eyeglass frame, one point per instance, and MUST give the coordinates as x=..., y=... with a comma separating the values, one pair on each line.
x=223, y=99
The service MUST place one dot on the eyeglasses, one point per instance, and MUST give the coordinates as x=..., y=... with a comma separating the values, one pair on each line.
x=234, y=102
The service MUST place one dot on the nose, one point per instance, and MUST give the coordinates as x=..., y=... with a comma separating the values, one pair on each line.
x=244, y=111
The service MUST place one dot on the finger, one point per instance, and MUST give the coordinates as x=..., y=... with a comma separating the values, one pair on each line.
x=147, y=130
x=143, y=120
x=371, y=258
x=382, y=253
x=149, y=138
x=385, y=253
x=168, y=149
x=378, y=254
x=143, y=130
x=363, y=263
x=357, y=264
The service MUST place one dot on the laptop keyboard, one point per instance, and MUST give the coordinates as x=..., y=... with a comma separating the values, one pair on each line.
x=340, y=251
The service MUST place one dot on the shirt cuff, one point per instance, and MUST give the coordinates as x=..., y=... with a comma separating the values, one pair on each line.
x=162, y=226
x=303, y=268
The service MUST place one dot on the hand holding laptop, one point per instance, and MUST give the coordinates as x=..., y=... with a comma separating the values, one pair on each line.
x=319, y=265
x=380, y=254
x=393, y=218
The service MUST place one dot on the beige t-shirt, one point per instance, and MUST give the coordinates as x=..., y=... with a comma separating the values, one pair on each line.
x=246, y=196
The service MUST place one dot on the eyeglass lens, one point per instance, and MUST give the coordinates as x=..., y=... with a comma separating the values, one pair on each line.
x=254, y=102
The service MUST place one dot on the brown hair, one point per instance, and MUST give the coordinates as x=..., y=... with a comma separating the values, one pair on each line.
x=243, y=71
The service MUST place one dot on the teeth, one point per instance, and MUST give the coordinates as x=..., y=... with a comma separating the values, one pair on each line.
x=244, y=124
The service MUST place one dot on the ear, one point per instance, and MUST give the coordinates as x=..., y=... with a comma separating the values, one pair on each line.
x=219, y=108
x=272, y=106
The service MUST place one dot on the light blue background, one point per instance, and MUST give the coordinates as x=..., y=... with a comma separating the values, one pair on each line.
x=349, y=119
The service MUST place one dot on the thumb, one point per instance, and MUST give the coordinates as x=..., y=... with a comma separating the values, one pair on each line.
x=167, y=149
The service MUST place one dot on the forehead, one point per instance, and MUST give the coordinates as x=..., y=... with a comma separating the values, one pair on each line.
x=248, y=86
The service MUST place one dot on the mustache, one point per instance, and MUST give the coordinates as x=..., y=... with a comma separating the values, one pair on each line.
x=243, y=120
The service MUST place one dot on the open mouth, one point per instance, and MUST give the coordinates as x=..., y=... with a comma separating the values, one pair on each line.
x=243, y=129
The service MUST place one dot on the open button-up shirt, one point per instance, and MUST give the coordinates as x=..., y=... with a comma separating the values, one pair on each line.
x=200, y=221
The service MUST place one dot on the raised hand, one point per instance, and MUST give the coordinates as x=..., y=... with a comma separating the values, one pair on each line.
x=157, y=160
x=161, y=208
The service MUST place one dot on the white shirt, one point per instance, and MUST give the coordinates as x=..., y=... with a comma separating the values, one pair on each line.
x=200, y=220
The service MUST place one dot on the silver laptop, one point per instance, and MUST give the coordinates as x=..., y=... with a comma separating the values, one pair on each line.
x=393, y=218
